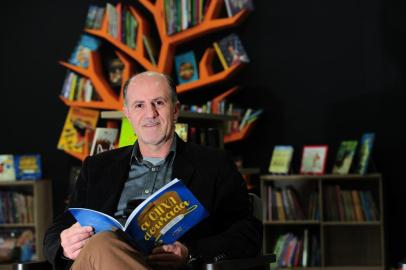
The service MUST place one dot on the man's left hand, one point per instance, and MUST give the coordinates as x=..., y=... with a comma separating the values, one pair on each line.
x=173, y=256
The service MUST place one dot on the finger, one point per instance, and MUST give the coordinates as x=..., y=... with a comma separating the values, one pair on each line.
x=75, y=254
x=67, y=240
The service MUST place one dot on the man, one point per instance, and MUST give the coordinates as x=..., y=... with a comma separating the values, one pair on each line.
x=114, y=182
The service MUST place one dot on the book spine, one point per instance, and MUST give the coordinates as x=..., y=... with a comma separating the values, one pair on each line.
x=220, y=55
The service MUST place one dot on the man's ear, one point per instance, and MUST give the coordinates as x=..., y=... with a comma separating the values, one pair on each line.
x=126, y=111
x=176, y=110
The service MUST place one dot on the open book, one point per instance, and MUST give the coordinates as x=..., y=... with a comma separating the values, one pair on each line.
x=160, y=219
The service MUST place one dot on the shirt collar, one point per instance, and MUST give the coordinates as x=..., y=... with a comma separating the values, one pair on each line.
x=137, y=156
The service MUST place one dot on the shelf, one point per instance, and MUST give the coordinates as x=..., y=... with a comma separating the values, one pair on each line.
x=240, y=135
x=326, y=177
x=293, y=222
x=19, y=183
x=249, y=171
x=351, y=223
x=182, y=115
x=17, y=225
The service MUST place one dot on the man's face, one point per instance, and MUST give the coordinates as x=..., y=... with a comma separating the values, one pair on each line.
x=150, y=109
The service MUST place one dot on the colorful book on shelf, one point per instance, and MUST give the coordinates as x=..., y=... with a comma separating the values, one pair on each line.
x=313, y=159
x=113, y=21
x=182, y=130
x=28, y=167
x=73, y=137
x=235, y=6
x=127, y=134
x=230, y=51
x=364, y=153
x=94, y=17
x=7, y=169
x=104, y=139
x=160, y=219
x=150, y=48
x=281, y=159
x=81, y=54
x=345, y=156
x=186, y=67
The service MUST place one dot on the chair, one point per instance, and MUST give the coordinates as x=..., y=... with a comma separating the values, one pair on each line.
x=259, y=262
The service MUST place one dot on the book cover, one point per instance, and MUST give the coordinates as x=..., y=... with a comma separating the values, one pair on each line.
x=7, y=170
x=313, y=159
x=127, y=134
x=232, y=50
x=345, y=156
x=364, y=153
x=235, y=6
x=28, y=167
x=81, y=54
x=160, y=219
x=104, y=139
x=73, y=136
x=281, y=159
x=186, y=67
x=182, y=130
x=150, y=48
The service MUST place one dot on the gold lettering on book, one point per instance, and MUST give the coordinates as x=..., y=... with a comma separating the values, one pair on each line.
x=159, y=216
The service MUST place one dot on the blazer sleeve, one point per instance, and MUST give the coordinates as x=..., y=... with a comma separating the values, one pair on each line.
x=240, y=234
x=52, y=242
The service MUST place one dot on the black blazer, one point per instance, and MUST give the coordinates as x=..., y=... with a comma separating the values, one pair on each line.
x=230, y=230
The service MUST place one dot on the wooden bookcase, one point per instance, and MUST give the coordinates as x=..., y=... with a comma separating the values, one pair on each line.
x=342, y=244
x=212, y=22
x=41, y=191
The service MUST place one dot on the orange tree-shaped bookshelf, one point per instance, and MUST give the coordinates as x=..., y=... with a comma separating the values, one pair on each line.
x=211, y=23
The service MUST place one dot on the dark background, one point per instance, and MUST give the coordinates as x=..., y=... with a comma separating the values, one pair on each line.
x=324, y=71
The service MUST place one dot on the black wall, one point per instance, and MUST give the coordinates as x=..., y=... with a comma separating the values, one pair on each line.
x=324, y=70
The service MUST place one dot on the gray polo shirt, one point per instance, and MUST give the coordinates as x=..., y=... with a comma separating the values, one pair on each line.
x=146, y=176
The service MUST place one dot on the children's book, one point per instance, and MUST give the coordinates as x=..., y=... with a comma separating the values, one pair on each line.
x=314, y=159
x=345, y=156
x=73, y=136
x=281, y=159
x=81, y=54
x=364, y=153
x=186, y=67
x=230, y=51
x=127, y=134
x=160, y=219
x=28, y=167
x=235, y=6
x=103, y=140
x=7, y=172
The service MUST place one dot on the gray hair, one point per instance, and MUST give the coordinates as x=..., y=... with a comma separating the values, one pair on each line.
x=168, y=79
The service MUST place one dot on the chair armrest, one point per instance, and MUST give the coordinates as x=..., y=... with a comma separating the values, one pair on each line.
x=37, y=265
x=246, y=263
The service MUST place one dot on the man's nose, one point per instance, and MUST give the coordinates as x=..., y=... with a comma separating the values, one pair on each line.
x=152, y=111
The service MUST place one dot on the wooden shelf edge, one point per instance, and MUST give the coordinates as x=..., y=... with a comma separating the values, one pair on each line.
x=288, y=177
x=237, y=136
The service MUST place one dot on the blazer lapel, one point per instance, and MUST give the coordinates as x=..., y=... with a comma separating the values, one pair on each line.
x=183, y=168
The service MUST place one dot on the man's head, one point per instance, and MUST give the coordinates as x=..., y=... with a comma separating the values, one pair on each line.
x=152, y=107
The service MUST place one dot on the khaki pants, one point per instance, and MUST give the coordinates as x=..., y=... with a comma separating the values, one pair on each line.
x=108, y=251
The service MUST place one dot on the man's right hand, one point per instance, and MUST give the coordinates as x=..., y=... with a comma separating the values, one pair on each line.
x=74, y=238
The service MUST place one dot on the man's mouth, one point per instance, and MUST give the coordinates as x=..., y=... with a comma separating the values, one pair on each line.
x=153, y=124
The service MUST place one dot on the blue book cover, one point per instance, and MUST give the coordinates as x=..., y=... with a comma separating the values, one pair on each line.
x=81, y=54
x=28, y=167
x=186, y=67
x=161, y=219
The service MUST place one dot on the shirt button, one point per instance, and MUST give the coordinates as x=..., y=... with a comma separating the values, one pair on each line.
x=146, y=191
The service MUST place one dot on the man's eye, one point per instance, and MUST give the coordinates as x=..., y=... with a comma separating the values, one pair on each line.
x=138, y=106
x=159, y=103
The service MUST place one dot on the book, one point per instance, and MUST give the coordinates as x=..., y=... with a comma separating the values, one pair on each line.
x=115, y=71
x=182, y=130
x=28, y=167
x=345, y=156
x=364, y=154
x=313, y=159
x=81, y=54
x=231, y=51
x=186, y=67
x=160, y=219
x=103, y=140
x=150, y=48
x=73, y=136
x=281, y=159
x=7, y=170
x=235, y=6
x=127, y=134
